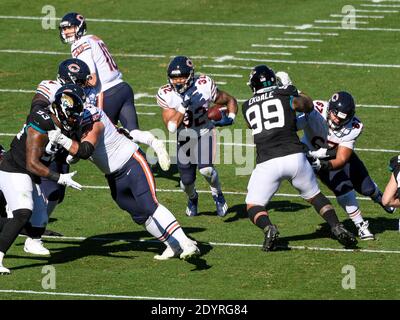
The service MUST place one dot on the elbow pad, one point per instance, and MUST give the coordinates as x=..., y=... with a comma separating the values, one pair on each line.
x=85, y=150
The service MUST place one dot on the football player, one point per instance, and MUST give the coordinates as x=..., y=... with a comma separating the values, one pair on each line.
x=28, y=159
x=271, y=115
x=184, y=102
x=130, y=179
x=391, y=196
x=115, y=96
x=330, y=133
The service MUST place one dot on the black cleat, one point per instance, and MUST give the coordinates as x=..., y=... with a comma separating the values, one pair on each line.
x=271, y=235
x=345, y=237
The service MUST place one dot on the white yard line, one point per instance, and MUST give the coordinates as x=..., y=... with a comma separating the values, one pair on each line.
x=355, y=16
x=377, y=11
x=278, y=46
x=311, y=33
x=265, y=53
x=340, y=21
x=380, y=5
x=228, y=244
x=89, y=295
x=295, y=39
x=225, y=75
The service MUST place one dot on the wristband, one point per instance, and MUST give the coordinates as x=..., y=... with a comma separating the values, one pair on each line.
x=53, y=176
x=232, y=115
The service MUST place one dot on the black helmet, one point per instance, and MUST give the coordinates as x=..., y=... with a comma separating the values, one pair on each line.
x=181, y=66
x=69, y=20
x=261, y=77
x=68, y=105
x=343, y=107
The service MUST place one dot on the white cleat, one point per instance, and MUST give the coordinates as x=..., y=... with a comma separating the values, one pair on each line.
x=4, y=271
x=168, y=253
x=190, y=250
x=35, y=246
x=363, y=231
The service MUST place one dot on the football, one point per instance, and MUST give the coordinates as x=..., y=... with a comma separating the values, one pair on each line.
x=215, y=112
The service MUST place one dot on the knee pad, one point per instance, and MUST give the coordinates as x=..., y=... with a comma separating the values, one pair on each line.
x=207, y=172
x=348, y=202
x=368, y=187
x=188, y=178
x=321, y=203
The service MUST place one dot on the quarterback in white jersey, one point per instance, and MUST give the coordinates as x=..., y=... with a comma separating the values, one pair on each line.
x=185, y=102
x=115, y=96
x=130, y=179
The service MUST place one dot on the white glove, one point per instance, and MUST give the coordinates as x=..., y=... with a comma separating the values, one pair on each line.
x=318, y=154
x=283, y=79
x=316, y=165
x=57, y=137
x=66, y=180
x=162, y=154
x=72, y=159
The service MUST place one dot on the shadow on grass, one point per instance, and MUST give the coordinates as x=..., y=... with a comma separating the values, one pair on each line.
x=102, y=245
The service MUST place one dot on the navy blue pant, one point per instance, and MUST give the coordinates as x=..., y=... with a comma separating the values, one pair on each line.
x=51, y=189
x=194, y=151
x=133, y=188
x=354, y=175
x=118, y=104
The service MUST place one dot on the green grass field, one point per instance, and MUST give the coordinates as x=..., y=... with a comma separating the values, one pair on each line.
x=101, y=253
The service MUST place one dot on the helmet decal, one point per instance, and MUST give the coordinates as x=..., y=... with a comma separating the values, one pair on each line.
x=73, y=67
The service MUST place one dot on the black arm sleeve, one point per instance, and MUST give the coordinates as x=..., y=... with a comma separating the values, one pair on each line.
x=85, y=150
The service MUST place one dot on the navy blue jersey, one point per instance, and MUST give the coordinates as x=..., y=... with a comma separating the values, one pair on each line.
x=273, y=123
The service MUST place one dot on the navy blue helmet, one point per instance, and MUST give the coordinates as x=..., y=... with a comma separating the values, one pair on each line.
x=68, y=105
x=261, y=77
x=343, y=107
x=181, y=66
x=69, y=20
x=73, y=71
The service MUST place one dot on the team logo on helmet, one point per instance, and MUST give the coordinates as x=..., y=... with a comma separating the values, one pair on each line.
x=335, y=97
x=189, y=63
x=80, y=17
x=67, y=101
x=73, y=67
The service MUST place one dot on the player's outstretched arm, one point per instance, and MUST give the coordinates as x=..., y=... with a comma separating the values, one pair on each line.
x=303, y=103
x=392, y=193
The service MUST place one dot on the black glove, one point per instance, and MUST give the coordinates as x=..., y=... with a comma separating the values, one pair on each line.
x=394, y=163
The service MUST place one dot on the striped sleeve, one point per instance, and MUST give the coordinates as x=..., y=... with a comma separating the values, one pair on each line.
x=78, y=50
x=161, y=102
x=214, y=90
x=44, y=91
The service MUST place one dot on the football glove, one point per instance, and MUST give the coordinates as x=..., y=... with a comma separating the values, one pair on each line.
x=162, y=154
x=66, y=180
x=57, y=137
x=283, y=79
x=225, y=121
x=318, y=154
x=71, y=159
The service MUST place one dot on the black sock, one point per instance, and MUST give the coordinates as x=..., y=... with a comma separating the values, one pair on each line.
x=34, y=232
x=330, y=217
x=12, y=227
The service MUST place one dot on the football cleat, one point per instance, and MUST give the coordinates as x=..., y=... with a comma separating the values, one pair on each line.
x=345, y=237
x=363, y=231
x=271, y=235
x=4, y=271
x=168, y=253
x=35, y=246
x=222, y=206
x=191, y=209
x=189, y=250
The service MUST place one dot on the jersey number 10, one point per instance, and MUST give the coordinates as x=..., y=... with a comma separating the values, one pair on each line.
x=110, y=61
x=268, y=116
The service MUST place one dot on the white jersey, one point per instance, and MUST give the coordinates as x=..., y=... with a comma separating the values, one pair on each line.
x=113, y=149
x=202, y=95
x=48, y=89
x=317, y=133
x=94, y=52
